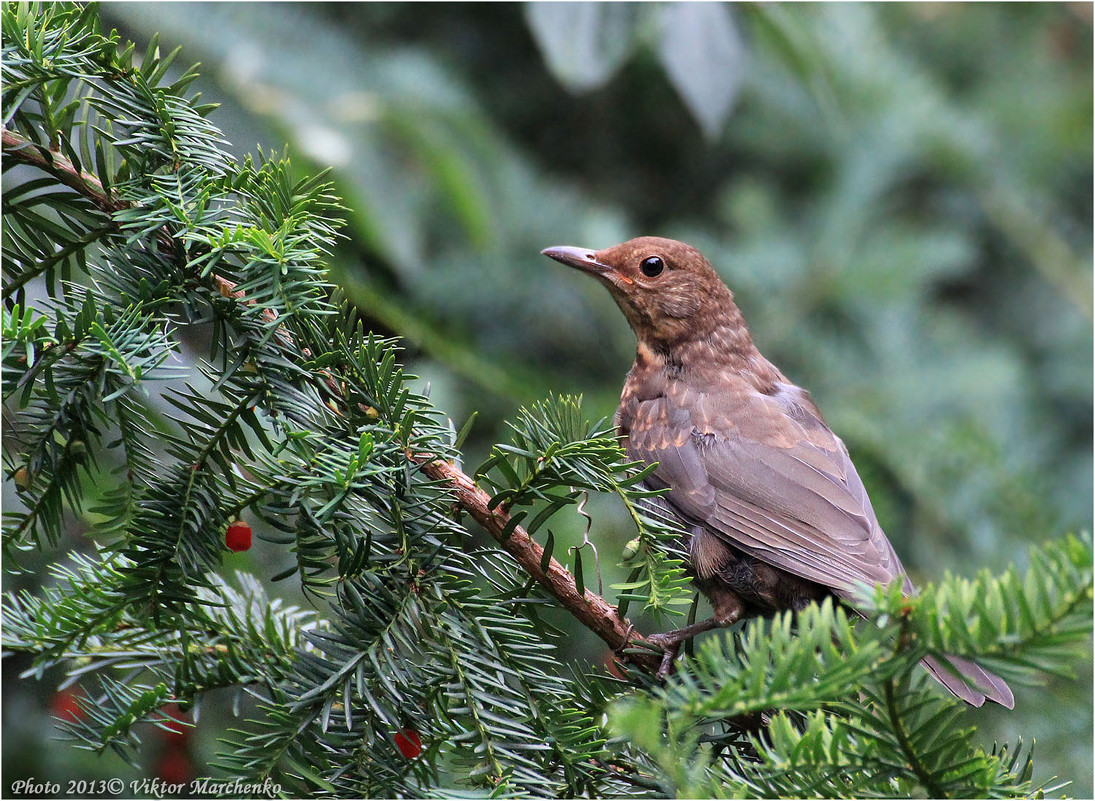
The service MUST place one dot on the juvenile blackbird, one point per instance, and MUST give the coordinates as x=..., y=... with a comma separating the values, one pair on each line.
x=777, y=514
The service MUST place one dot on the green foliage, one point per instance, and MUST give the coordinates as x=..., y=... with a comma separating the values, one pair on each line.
x=893, y=735
x=1015, y=623
x=556, y=456
x=175, y=358
x=298, y=418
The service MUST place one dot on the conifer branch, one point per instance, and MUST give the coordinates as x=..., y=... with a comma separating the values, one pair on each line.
x=139, y=226
x=593, y=611
x=23, y=150
x=589, y=608
x=27, y=152
x=46, y=264
x=925, y=778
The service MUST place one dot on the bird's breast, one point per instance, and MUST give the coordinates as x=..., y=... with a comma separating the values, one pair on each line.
x=646, y=381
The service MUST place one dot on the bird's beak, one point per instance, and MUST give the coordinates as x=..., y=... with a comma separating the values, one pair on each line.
x=581, y=258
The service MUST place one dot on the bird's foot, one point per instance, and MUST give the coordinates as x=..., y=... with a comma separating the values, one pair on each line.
x=671, y=646
x=670, y=643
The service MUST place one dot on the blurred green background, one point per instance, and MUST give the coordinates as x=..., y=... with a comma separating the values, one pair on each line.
x=899, y=195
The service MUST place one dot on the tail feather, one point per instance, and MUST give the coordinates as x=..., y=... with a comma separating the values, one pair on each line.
x=986, y=685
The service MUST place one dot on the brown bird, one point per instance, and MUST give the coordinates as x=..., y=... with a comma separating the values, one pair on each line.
x=777, y=514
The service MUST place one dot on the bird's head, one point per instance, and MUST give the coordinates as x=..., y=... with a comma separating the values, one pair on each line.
x=667, y=290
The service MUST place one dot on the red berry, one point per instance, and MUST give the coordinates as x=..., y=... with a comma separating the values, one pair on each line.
x=64, y=704
x=409, y=743
x=174, y=766
x=238, y=536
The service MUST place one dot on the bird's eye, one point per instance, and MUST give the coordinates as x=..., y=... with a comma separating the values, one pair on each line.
x=652, y=266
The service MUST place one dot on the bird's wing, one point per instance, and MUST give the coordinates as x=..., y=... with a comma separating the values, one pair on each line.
x=766, y=474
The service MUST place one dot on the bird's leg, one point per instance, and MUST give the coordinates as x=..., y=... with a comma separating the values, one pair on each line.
x=729, y=609
x=670, y=642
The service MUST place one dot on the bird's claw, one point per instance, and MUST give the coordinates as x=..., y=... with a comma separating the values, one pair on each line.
x=627, y=637
x=621, y=650
x=670, y=646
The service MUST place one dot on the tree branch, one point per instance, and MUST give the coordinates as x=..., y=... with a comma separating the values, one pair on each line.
x=27, y=152
x=590, y=609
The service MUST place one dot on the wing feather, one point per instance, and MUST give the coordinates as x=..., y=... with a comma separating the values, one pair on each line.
x=767, y=475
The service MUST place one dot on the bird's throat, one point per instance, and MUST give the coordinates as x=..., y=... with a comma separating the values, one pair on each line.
x=726, y=351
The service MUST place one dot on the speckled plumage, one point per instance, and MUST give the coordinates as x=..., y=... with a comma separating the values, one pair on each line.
x=778, y=516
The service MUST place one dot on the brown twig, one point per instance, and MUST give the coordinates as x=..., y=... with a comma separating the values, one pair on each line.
x=590, y=609
x=27, y=152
